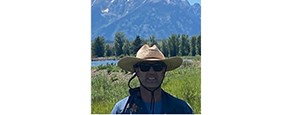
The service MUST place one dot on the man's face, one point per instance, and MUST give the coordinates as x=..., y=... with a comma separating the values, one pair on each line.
x=150, y=74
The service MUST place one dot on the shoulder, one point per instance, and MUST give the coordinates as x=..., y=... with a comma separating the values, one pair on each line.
x=178, y=102
x=178, y=105
x=119, y=106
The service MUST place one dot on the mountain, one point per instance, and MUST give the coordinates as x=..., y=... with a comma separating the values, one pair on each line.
x=160, y=18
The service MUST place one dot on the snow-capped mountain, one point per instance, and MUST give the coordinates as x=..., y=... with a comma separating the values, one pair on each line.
x=160, y=18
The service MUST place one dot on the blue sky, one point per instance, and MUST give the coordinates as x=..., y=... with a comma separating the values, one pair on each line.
x=194, y=1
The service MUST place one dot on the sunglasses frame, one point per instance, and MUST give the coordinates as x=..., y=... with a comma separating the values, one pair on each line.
x=145, y=66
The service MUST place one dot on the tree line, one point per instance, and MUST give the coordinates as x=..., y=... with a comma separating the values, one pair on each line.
x=175, y=45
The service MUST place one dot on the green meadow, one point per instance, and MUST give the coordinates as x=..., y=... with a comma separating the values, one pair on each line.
x=109, y=85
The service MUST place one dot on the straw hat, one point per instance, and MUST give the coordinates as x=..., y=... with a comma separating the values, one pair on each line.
x=147, y=53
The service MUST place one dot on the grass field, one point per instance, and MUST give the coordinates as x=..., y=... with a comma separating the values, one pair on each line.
x=109, y=85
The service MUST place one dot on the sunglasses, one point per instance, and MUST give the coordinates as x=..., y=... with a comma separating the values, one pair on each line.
x=144, y=67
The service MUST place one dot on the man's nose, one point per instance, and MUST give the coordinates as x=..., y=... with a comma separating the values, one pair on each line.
x=151, y=70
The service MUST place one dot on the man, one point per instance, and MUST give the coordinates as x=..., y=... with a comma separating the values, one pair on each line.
x=150, y=66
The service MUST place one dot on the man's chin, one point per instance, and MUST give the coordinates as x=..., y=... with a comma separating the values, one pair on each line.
x=152, y=86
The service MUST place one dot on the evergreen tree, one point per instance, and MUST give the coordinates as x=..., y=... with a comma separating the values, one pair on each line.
x=193, y=45
x=98, y=47
x=119, y=42
x=184, y=46
x=137, y=44
x=173, y=44
x=108, y=50
x=126, y=47
x=152, y=41
x=199, y=45
x=113, y=49
x=165, y=47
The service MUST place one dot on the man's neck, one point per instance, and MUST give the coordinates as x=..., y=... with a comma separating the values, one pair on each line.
x=146, y=95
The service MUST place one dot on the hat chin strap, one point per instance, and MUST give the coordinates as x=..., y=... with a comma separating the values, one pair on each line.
x=134, y=75
x=130, y=80
x=152, y=91
x=152, y=95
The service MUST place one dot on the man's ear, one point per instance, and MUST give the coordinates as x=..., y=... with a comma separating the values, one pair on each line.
x=136, y=71
x=165, y=71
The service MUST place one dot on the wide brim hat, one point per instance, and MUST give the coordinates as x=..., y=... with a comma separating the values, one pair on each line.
x=147, y=53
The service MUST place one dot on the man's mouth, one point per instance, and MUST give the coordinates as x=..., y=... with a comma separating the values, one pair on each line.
x=151, y=79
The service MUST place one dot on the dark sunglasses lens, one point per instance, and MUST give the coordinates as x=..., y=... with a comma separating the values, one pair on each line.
x=157, y=67
x=145, y=67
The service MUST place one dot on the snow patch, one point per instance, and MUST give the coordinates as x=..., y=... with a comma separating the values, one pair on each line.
x=105, y=11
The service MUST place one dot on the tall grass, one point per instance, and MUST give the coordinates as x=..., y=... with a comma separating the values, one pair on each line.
x=185, y=83
x=109, y=85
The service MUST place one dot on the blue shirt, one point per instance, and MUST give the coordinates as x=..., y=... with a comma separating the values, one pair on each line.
x=157, y=107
